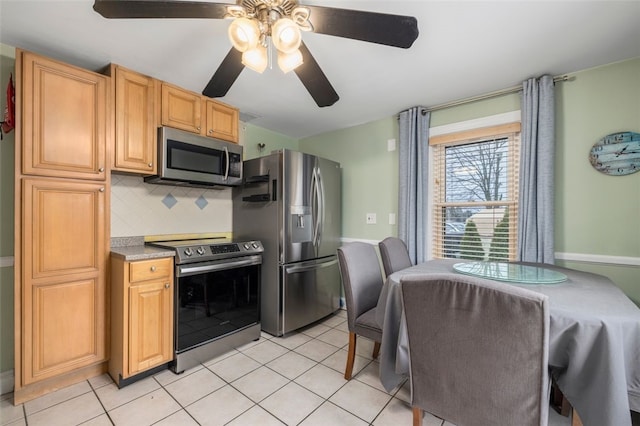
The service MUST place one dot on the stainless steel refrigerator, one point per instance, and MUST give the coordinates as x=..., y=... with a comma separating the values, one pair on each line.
x=291, y=202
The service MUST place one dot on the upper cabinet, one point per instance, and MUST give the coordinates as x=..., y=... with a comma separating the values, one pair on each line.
x=181, y=108
x=192, y=112
x=65, y=120
x=222, y=121
x=135, y=121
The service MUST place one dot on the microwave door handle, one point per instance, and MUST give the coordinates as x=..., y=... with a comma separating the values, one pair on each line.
x=226, y=171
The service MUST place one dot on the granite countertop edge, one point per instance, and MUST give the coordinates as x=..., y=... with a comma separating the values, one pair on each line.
x=133, y=248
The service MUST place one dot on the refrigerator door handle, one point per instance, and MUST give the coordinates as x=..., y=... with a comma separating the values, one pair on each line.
x=321, y=217
x=309, y=267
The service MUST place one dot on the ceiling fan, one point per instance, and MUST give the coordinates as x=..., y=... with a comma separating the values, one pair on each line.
x=257, y=22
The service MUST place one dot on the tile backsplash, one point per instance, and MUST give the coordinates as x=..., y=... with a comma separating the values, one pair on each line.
x=139, y=208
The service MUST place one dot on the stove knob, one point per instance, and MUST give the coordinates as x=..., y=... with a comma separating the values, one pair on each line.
x=246, y=246
x=255, y=245
x=200, y=250
x=188, y=252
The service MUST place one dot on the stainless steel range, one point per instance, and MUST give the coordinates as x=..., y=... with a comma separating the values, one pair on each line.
x=217, y=297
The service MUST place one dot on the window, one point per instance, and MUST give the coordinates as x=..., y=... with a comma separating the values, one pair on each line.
x=475, y=197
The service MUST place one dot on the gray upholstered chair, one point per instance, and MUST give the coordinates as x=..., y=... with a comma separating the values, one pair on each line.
x=394, y=254
x=478, y=350
x=362, y=280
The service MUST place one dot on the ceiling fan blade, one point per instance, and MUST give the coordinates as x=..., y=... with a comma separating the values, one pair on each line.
x=225, y=75
x=381, y=28
x=314, y=80
x=160, y=9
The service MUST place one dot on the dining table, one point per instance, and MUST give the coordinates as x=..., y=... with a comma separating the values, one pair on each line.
x=594, y=338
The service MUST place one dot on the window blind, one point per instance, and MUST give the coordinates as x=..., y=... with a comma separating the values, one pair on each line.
x=475, y=197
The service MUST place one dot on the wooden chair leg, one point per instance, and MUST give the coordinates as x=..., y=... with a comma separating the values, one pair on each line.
x=575, y=418
x=417, y=416
x=376, y=350
x=351, y=356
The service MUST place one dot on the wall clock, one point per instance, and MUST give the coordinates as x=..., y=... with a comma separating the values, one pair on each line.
x=617, y=154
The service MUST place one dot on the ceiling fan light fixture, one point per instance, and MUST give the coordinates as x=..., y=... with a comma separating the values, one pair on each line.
x=256, y=59
x=289, y=61
x=244, y=34
x=286, y=35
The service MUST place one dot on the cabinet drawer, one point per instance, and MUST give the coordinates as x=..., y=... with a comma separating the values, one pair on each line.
x=150, y=269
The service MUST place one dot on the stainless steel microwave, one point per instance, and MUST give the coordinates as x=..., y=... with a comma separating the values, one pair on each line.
x=188, y=159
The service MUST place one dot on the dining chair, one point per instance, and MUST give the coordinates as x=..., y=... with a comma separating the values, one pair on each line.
x=478, y=350
x=362, y=280
x=394, y=254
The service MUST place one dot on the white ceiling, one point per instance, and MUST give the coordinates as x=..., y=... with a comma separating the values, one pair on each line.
x=465, y=48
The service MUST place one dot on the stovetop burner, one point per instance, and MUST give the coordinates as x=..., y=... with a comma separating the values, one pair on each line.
x=202, y=250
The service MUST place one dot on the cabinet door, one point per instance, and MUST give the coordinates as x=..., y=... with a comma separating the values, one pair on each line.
x=150, y=327
x=135, y=144
x=63, y=295
x=64, y=118
x=222, y=121
x=181, y=109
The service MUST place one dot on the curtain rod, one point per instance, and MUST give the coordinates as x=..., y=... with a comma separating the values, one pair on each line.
x=490, y=95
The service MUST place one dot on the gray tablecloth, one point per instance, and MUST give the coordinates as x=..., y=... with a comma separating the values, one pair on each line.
x=594, y=345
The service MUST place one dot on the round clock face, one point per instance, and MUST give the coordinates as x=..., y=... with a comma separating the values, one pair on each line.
x=617, y=154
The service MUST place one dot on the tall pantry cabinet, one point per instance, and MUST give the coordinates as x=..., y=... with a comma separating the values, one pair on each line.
x=62, y=226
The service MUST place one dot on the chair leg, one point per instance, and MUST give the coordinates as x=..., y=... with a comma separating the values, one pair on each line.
x=351, y=356
x=575, y=418
x=376, y=350
x=417, y=416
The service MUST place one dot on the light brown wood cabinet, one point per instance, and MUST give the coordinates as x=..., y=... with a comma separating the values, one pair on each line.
x=141, y=315
x=61, y=225
x=135, y=121
x=64, y=127
x=63, y=301
x=194, y=113
x=222, y=121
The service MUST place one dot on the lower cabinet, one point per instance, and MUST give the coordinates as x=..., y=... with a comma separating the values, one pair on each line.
x=141, y=317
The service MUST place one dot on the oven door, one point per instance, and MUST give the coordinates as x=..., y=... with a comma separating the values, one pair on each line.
x=215, y=298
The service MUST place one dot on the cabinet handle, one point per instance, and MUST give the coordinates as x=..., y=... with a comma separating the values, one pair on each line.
x=150, y=165
x=198, y=128
x=166, y=285
x=101, y=169
x=101, y=189
x=153, y=268
x=210, y=131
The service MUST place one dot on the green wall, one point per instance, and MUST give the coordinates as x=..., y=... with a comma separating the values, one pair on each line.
x=595, y=214
x=7, y=145
x=251, y=136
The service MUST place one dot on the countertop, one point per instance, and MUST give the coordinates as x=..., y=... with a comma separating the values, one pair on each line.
x=133, y=248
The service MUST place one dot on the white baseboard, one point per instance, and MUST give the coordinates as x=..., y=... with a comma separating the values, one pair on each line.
x=599, y=258
x=6, y=382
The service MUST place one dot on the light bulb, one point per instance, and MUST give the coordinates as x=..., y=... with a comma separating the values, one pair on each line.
x=289, y=61
x=286, y=35
x=256, y=59
x=244, y=34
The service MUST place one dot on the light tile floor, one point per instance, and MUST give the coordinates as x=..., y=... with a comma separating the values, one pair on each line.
x=295, y=380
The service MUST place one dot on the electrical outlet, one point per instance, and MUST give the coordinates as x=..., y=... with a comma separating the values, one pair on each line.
x=371, y=218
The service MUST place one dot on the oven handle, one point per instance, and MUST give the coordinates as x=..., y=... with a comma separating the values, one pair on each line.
x=186, y=270
x=310, y=267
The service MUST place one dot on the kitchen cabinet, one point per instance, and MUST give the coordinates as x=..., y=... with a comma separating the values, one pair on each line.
x=64, y=126
x=61, y=225
x=222, y=121
x=63, y=303
x=141, y=316
x=194, y=113
x=181, y=108
x=135, y=121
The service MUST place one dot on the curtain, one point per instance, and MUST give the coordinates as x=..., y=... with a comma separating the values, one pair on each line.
x=535, y=221
x=413, y=180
